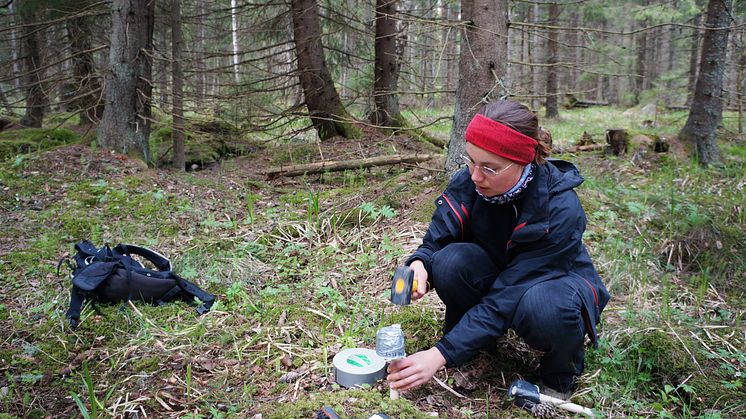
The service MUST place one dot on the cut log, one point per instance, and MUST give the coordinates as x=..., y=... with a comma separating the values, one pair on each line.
x=339, y=165
x=617, y=139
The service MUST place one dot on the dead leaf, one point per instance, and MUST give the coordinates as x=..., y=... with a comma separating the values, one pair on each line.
x=206, y=363
x=230, y=362
x=287, y=361
x=256, y=369
x=463, y=381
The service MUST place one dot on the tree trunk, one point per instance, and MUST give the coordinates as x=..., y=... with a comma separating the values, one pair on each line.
x=617, y=140
x=199, y=64
x=234, y=40
x=33, y=79
x=534, y=53
x=641, y=40
x=177, y=46
x=4, y=101
x=552, y=110
x=451, y=47
x=706, y=110
x=741, y=85
x=14, y=46
x=87, y=86
x=325, y=108
x=670, y=62
x=386, y=72
x=693, y=59
x=125, y=126
x=482, y=66
x=161, y=66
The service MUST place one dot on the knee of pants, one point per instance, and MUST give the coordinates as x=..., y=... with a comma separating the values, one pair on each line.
x=461, y=264
x=549, y=316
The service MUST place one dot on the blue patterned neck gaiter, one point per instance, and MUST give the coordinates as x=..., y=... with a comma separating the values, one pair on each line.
x=515, y=191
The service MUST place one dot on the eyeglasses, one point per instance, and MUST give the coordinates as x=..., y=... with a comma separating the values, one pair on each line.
x=489, y=172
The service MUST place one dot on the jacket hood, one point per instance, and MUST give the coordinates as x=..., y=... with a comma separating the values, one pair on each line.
x=563, y=175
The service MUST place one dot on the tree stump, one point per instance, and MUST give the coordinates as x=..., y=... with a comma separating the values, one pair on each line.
x=617, y=140
x=660, y=145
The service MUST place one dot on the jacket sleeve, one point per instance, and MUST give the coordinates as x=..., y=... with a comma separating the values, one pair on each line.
x=449, y=223
x=537, y=253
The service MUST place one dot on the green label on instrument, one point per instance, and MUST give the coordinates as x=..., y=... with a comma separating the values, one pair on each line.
x=358, y=360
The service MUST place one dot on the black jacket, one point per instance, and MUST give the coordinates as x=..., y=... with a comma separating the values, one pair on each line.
x=546, y=244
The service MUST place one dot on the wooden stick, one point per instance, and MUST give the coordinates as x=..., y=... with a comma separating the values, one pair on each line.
x=590, y=147
x=447, y=387
x=339, y=165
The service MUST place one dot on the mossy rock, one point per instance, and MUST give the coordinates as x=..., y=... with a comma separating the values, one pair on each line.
x=205, y=142
x=26, y=140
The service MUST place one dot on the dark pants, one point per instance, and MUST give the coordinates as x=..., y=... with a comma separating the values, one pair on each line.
x=548, y=316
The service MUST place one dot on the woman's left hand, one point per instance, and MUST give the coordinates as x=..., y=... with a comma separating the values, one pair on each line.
x=414, y=370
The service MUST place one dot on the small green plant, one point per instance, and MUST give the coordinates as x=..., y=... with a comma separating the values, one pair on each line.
x=373, y=213
x=95, y=404
x=189, y=379
x=313, y=207
x=250, y=199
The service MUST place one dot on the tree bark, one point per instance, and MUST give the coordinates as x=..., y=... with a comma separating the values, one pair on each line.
x=535, y=52
x=234, y=40
x=4, y=101
x=386, y=71
x=199, y=64
x=15, y=46
x=327, y=113
x=706, y=110
x=177, y=46
x=161, y=66
x=641, y=40
x=482, y=66
x=693, y=59
x=741, y=85
x=617, y=140
x=125, y=126
x=32, y=40
x=552, y=108
x=87, y=85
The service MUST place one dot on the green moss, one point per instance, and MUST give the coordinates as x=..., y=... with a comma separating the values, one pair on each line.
x=294, y=154
x=205, y=142
x=347, y=404
x=27, y=140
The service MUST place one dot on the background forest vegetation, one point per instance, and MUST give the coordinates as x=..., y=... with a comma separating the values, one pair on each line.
x=173, y=124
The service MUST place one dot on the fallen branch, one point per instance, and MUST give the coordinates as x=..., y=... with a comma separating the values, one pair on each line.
x=339, y=165
x=589, y=147
x=447, y=387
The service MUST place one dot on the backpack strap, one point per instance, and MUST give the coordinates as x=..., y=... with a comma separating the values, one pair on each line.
x=76, y=305
x=194, y=291
x=66, y=260
x=158, y=260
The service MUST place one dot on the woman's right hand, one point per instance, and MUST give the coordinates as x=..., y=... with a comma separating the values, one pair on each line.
x=420, y=275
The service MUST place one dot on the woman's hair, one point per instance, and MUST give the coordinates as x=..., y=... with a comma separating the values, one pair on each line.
x=520, y=118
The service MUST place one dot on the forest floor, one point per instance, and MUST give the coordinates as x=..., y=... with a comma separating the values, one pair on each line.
x=301, y=267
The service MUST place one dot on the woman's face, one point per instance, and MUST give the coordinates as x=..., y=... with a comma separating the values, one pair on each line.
x=508, y=172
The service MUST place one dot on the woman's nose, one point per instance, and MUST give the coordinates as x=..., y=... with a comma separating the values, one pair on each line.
x=476, y=174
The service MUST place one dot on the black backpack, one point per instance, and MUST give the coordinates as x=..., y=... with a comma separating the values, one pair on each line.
x=111, y=275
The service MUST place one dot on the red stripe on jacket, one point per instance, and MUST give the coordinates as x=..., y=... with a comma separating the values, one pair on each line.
x=460, y=220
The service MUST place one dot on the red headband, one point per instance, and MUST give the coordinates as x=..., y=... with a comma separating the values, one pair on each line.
x=496, y=138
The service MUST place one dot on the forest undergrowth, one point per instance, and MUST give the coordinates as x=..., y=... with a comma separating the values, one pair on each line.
x=302, y=267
